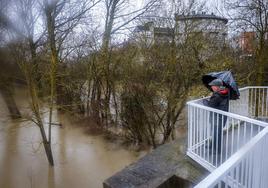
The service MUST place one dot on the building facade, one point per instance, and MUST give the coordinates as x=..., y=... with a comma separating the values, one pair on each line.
x=150, y=34
x=209, y=26
x=247, y=42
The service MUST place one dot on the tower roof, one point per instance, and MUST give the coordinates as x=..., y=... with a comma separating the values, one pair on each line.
x=183, y=17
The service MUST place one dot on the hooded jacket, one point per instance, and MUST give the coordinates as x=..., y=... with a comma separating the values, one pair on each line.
x=219, y=100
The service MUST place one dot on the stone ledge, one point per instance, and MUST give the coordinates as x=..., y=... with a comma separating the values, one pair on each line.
x=168, y=163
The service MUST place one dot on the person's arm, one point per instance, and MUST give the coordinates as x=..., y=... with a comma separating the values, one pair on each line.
x=214, y=101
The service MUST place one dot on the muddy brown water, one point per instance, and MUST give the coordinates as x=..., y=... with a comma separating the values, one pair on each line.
x=81, y=159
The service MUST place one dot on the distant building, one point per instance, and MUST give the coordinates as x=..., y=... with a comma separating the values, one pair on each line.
x=246, y=42
x=207, y=32
x=152, y=34
x=209, y=25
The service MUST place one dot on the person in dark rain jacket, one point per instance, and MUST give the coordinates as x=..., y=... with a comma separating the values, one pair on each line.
x=219, y=100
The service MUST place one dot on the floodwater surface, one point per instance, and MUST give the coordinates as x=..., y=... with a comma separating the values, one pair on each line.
x=82, y=160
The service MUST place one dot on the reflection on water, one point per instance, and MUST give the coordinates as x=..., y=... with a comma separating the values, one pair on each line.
x=81, y=160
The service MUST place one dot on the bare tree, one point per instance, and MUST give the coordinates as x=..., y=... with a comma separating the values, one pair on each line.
x=25, y=54
x=252, y=15
x=8, y=67
x=7, y=78
x=118, y=15
x=156, y=75
x=61, y=18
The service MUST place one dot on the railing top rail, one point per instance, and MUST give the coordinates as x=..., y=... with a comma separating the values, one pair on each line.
x=229, y=114
x=249, y=87
x=196, y=100
x=229, y=164
x=241, y=89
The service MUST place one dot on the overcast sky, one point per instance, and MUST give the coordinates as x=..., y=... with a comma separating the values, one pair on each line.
x=211, y=5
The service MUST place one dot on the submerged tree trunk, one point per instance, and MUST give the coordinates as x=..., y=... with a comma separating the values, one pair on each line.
x=32, y=88
x=46, y=143
x=10, y=102
x=50, y=11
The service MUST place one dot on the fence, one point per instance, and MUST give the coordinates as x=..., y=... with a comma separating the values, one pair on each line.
x=248, y=168
x=215, y=135
x=231, y=143
x=253, y=102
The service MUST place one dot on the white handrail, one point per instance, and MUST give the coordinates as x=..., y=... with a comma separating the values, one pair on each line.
x=221, y=171
x=234, y=135
x=248, y=87
x=215, y=135
x=241, y=89
x=229, y=114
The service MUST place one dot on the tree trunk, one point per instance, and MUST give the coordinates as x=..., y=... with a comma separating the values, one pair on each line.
x=10, y=102
x=260, y=60
x=50, y=18
x=35, y=109
x=47, y=146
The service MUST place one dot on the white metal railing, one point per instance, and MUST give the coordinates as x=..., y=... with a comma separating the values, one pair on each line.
x=246, y=168
x=253, y=102
x=215, y=135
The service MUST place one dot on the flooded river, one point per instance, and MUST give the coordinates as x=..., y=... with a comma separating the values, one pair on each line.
x=82, y=160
